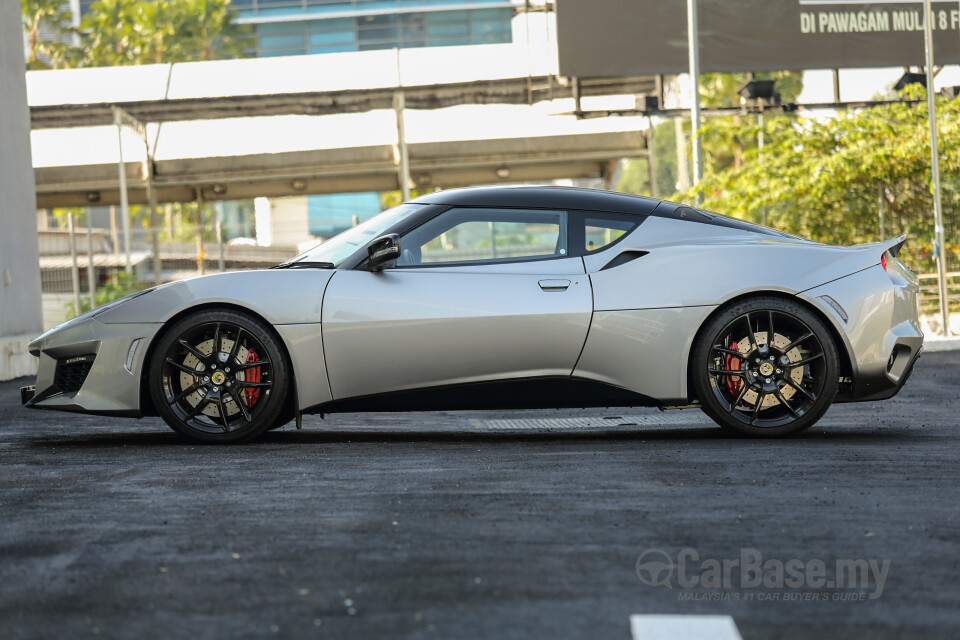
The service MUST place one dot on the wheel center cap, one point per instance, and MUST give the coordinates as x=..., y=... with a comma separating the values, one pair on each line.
x=219, y=377
x=766, y=369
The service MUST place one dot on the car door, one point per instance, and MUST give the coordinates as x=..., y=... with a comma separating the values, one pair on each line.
x=479, y=294
x=639, y=338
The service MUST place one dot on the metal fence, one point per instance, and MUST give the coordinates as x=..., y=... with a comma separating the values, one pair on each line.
x=930, y=302
x=82, y=264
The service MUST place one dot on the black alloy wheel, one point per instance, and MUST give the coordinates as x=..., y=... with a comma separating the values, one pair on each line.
x=765, y=366
x=219, y=376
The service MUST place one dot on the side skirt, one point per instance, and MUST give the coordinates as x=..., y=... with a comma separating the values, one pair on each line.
x=525, y=393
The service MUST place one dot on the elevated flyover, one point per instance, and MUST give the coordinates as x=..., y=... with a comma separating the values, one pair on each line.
x=366, y=168
x=328, y=123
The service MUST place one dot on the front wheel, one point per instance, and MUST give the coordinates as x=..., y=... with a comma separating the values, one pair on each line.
x=219, y=376
x=765, y=366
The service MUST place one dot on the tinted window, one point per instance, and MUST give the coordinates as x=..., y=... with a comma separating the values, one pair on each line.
x=471, y=235
x=600, y=232
x=591, y=231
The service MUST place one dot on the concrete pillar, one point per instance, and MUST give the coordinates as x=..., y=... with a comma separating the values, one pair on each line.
x=20, y=315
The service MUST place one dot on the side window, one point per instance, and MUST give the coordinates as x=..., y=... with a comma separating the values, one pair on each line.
x=600, y=232
x=480, y=235
x=594, y=231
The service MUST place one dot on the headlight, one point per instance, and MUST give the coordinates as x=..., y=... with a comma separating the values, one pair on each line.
x=116, y=303
x=93, y=312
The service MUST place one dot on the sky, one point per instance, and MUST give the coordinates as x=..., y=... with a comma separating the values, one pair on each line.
x=863, y=84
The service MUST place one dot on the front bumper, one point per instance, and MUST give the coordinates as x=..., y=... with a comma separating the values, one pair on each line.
x=109, y=384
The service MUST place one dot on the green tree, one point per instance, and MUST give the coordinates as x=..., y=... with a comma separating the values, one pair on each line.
x=124, y=32
x=824, y=178
x=163, y=31
x=48, y=18
x=118, y=285
x=109, y=34
x=722, y=147
x=214, y=33
x=720, y=89
x=390, y=199
x=635, y=172
x=725, y=147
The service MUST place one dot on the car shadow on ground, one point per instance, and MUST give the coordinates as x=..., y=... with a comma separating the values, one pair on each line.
x=289, y=437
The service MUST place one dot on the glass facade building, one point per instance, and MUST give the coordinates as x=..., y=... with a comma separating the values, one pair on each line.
x=296, y=27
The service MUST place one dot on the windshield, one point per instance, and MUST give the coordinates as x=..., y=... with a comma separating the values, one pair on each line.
x=340, y=247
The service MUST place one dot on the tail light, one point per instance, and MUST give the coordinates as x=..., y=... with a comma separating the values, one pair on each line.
x=883, y=260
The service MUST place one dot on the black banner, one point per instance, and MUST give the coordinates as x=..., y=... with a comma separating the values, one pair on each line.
x=639, y=37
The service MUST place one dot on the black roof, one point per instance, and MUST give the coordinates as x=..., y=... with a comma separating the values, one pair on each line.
x=543, y=197
x=576, y=198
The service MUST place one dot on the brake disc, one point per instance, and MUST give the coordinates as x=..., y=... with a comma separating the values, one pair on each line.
x=779, y=341
x=186, y=380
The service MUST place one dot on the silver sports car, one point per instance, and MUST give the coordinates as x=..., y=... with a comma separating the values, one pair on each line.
x=507, y=297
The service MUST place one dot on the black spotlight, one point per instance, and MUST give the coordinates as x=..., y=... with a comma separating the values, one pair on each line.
x=648, y=103
x=910, y=78
x=950, y=92
x=758, y=89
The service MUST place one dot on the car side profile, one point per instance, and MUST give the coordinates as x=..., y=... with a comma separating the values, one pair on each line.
x=505, y=297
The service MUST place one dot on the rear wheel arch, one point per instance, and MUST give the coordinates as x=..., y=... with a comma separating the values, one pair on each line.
x=146, y=402
x=846, y=362
x=773, y=388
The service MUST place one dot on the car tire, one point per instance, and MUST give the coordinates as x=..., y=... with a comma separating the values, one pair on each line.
x=749, y=385
x=231, y=394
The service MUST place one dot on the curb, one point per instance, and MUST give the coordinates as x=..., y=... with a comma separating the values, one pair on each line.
x=941, y=344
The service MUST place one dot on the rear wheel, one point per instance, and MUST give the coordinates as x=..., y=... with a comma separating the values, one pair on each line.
x=765, y=366
x=219, y=376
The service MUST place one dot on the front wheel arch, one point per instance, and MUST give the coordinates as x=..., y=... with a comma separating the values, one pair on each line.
x=146, y=402
x=846, y=362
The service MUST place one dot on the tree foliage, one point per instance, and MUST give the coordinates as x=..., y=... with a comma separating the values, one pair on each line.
x=824, y=178
x=131, y=32
x=721, y=89
x=128, y=32
x=118, y=285
x=721, y=149
x=42, y=18
x=124, y=32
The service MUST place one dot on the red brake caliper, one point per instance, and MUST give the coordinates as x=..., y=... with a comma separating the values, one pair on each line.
x=252, y=375
x=733, y=383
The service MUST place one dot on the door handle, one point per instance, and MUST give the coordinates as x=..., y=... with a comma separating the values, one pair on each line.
x=554, y=285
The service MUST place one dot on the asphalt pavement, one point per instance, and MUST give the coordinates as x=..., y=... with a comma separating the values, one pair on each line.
x=473, y=525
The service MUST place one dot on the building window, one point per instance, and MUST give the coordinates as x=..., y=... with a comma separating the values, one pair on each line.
x=332, y=36
x=314, y=34
x=377, y=32
x=282, y=39
x=328, y=6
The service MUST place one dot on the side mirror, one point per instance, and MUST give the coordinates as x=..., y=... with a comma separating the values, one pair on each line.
x=383, y=250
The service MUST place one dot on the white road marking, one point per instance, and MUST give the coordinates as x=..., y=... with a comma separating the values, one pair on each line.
x=675, y=627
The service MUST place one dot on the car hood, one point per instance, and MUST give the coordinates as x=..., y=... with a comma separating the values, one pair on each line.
x=279, y=296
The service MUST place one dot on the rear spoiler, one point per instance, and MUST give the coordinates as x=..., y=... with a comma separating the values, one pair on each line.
x=892, y=245
x=838, y=262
